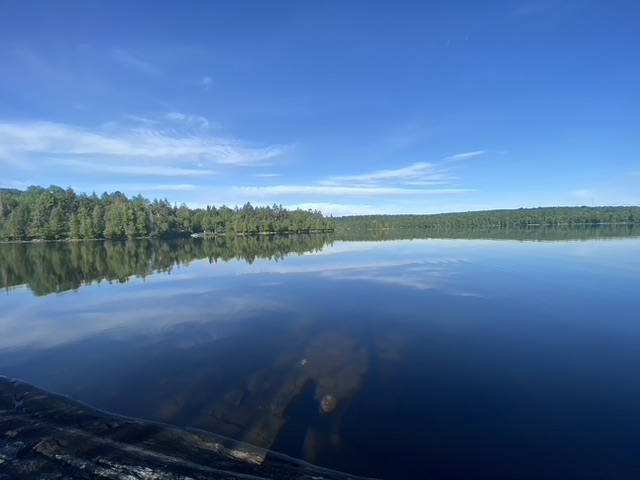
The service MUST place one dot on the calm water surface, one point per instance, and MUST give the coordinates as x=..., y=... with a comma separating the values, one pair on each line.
x=447, y=359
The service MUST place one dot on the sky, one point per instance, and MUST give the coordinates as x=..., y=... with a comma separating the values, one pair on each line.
x=346, y=106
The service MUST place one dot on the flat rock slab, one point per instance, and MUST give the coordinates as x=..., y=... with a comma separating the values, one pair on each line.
x=44, y=436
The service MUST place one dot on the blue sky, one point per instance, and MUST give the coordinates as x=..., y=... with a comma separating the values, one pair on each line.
x=350, y=106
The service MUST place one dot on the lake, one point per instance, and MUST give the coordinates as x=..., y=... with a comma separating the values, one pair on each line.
x=442, y=358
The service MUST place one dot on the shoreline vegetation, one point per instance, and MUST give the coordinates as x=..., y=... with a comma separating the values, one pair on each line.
x=496, y=219
x=55, y=214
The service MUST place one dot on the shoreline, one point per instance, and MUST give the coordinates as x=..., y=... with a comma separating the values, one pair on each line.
x=48, y=435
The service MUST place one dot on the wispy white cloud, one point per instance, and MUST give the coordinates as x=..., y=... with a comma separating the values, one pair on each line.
x=343, y=191
x=176, y=116
x=337, y=209
x=132, y=189
x=185, y=187
x=388, y=189
x=266, y=175
x=190, y=120
x=128, y=60
x=466, y=156
x=207, y=82
x=141, y=170
x=582, y=194
x=20, y=185
x=37, y=140
x=415, y=171
x=141, y=120
x=421, y=174
x=531, y=8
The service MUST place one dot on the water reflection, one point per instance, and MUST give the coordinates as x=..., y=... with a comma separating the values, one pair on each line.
x=56, y=267
x=61, y=266
x=453, y=358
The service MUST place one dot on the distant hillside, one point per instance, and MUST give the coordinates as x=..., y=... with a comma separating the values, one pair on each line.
x=522, y=217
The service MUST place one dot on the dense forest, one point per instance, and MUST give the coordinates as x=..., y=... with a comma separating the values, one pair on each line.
x=61, y=266
x=56, y=214
x=523, y=217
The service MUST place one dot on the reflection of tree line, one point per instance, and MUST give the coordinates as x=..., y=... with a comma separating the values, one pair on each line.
x=50, y=267
x=531, y=233
x=60, y=266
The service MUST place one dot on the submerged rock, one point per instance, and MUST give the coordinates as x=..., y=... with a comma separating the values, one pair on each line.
x=327, y=382
x=234, y=397
x=328, y=403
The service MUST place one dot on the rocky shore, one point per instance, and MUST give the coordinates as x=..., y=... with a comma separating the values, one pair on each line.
x=48, y=436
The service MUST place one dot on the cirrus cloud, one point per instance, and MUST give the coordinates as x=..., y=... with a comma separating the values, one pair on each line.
x=35, y=140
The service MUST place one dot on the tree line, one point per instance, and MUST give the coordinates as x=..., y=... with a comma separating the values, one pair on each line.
x=56, y=267
x=55, y=213
x=516, y=218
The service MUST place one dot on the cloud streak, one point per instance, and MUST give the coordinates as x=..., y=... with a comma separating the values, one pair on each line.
x=344, y=191
x=404, y=184
x=412, y=172
x=189, y=120
x=34, y=140
x=135, y=170
x=129, y=61
x=466, y=156
x=421, y=174
x=207, y=82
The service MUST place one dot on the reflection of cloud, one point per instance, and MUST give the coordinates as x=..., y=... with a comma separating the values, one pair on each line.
x=131, y=314
x=422, y=275
x=391, y=263
x=192, y=294
x=430, y=281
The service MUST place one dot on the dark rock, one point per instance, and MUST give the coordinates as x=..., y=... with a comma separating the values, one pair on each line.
x=328, y=403
x=55, y=437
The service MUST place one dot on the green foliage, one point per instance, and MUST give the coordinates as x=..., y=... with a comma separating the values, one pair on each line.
x=57, y=214
x=520, y=218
